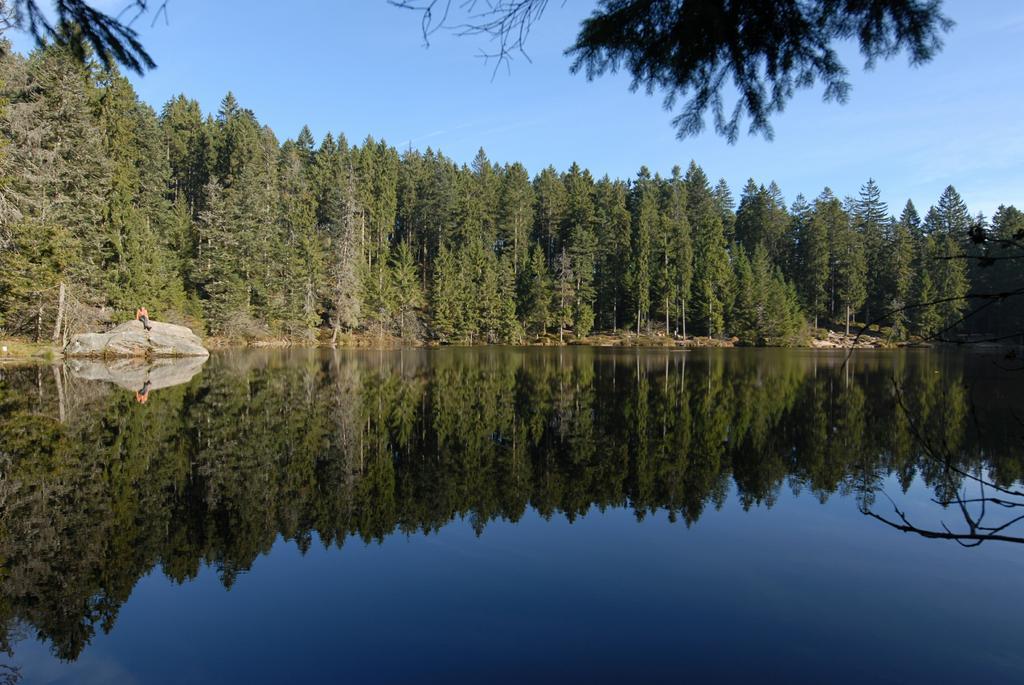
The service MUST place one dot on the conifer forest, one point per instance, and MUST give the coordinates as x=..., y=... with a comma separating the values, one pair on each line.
x=209, y=219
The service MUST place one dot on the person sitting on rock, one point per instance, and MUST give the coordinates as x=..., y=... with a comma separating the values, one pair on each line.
x=142, y=396
x=142, y=314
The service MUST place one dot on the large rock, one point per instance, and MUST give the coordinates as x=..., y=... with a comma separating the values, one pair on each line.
x=133, y=373
x=132, y=340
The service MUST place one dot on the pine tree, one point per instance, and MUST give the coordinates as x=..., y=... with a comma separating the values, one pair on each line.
x=405, y=285
x=762, y=219
x=725, y=204
x=549, y=192
x=139, y=265
x=565, y=293
x=948, y=223
x=614, y=231
x=848, y=265
x=712, y=275
x=580, y=220
x=333, y=185
x=745, y=308
x=214, y=219
x=1003, y=275
x=187, y=151
x=535, y=293
x=217, y=270
x=925, y=317
x=899, y=268
x=485, y=196
x=813, y=226
x=55, y=200
x=515, y=214
x=448, y=297
x=871, y=218
x=676, y=251
x=509, y=329
x=485, y=306
x=300, y=263
x=644, y=202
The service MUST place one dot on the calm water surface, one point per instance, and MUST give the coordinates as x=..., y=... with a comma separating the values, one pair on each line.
x=510, y=515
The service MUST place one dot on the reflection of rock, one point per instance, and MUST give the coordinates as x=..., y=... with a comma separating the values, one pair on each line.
x=132, y=340
x=132, y=374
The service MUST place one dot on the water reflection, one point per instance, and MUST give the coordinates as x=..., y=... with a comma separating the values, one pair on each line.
x=96, y=489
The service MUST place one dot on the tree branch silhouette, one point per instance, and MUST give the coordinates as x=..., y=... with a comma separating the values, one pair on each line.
x=977, y=531
x=82, y=28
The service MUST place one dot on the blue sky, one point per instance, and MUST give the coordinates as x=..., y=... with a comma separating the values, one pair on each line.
x=360, y=67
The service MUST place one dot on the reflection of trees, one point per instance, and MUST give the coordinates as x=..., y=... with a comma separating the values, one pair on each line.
x=984, y=510
x=366, y=444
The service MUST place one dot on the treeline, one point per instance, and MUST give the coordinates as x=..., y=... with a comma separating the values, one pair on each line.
x=96, y=489
x=212, y=221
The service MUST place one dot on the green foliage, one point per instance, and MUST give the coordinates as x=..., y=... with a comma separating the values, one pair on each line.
x=214, y=221
x=449, y=300
x=871, y=217
x=405, y=288
x=811, y=228
x=690, y=49
x=644, y=202
x=766, y=310
x=712, y=278
x=212, y=473
x=535, y=294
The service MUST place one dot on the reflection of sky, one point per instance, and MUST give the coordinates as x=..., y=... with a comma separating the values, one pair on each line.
x=816, y=592
x=360, y=68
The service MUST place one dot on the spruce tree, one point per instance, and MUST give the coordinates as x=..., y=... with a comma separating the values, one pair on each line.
x=871, y=217
x=217, y=269
x=509, y=329
x=644, y=202
x=745, y=308
x=549, y=192
x=848, y=265
x=579, y=228
x=565, y=293
x=448, y=297
x=899, y=269
x=948, y=224
x=535, y=293
x=725, y=204
x=712, y=275
x=676, y=273
x=614, y=232
x=925, y=315
x=515, y=214
x=187, y=151
x=407, y=297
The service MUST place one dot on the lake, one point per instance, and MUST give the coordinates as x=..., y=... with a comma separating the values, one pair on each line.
x=513, y=515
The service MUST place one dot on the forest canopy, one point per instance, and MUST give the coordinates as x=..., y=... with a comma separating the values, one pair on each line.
x=211, y=220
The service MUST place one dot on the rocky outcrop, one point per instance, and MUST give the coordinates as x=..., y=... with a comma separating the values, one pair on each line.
x=133, y=373
x=132, y=340
x=835, y=340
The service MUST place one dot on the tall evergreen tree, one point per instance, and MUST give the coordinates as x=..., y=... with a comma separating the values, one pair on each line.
x=813, y=226
x=515, y=213
x=872, y=218
x=549, y=192
x=535, y=293
x=849, y=264
x=676, y=249
x=726, y=206
x=614, y=240
x=712, y=275
x=580, y=219
x=644, y=202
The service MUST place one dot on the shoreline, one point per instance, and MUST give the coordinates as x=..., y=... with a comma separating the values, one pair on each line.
x=24, y=351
